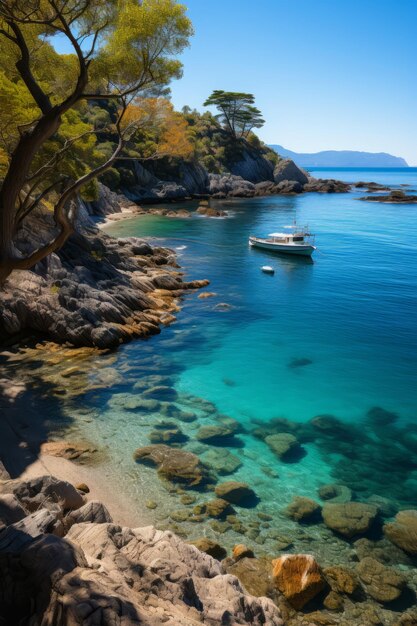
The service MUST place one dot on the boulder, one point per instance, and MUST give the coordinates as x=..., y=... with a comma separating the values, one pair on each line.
x=299, y=578
x=349, y=518
x=283, y=444
x=11, y=510
x=216, y=433
x=47, y=492
x=106, y=574
x=161, y=392
x=335, y=493
x=254, y=574
x=342, y=580
x=173, y=464
x=172, y=434
x=219, y=508
x=240, y=551
x=236, y=493
x=210, y=547
x=288, y=186
x=287, y=170
x=383, y=584
x=403, y=531
x=93, y=512
x=303, y=509
x=221, y=461
x=67, y=450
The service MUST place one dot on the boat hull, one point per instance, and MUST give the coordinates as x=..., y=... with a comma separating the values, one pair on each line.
x=306, y=250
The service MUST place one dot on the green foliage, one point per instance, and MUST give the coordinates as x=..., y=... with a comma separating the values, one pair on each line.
x=237, y=111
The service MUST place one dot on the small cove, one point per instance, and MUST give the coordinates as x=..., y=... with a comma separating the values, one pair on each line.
x=333, y=336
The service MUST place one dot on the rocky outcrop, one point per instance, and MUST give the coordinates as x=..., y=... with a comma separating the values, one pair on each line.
x=96, y=291
x=173, y=464
x=92, y=572
x=298, y=577
x=395, y=197
x=287, y=170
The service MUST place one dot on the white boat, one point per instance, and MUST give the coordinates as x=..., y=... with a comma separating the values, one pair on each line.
x=299, y=242
x=267, y=269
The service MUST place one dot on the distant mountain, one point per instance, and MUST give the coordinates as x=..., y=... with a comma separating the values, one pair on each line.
x=341, y=158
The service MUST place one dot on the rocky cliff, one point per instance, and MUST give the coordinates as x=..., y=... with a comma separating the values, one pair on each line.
x=249, y=174
x=96, y=291
x=71, y=565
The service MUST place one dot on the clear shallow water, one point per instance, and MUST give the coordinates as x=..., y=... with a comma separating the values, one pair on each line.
x=352, y=311
x=333, y=335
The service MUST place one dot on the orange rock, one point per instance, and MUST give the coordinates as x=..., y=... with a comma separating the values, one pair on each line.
x=241, y=551
x=298, y=577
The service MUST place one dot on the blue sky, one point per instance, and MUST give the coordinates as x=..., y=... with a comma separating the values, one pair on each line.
x=327, y=74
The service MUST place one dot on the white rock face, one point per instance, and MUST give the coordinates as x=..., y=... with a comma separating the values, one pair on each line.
x=101, y=574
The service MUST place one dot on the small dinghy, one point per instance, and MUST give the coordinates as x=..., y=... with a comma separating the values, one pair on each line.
x=267, y=269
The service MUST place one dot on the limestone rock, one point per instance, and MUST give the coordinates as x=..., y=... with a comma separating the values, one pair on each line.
x=303, y=509
x=236, y=493
x=47, y=491
x=106, y=574
x=298, y=577
x=350, y=518
x=173, y=464
x=403, y=531
x=382, y=583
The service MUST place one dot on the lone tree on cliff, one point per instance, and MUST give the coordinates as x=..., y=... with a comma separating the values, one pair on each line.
x=119, y=50
x=237, y=112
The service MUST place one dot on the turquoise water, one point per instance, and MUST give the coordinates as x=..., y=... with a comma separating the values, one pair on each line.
x=333, y=336
x=351, y=311
x=349, y=315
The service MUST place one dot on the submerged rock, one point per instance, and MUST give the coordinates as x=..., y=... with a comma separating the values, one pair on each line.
x=342, y=579
x=171, y=434
x=299, y=578
x=173, y=464
x=335, y=493
x=350, y=518
x=382, y=583
x=161, y=392
x=240, y=551
x=67, y=450
x=216, y=433
x=303, y=509
x=236, y=493
x=210, y=547
x=222, y=461
x=285, y=445
x=403, y=531
x=219, y=508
